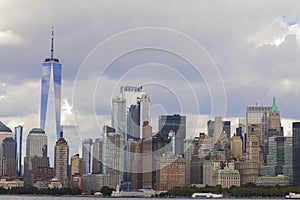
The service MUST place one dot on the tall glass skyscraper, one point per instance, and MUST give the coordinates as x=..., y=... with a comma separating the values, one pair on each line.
x=19, y=137
x=51, y=96
x=50, y=110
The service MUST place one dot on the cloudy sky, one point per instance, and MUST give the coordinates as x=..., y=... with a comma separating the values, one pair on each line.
x=193, y=57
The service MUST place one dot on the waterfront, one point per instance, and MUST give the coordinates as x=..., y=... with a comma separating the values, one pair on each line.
x=20, y=197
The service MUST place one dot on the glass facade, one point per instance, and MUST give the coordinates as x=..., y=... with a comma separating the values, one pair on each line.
x=19, y=136
x=86, y=155
x=259, y=115
x=51, y=98
x=296, y=153
x=176, y=123
x=279, y=159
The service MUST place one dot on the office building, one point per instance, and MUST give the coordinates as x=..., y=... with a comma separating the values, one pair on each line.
x=129, y=157
x=112, y=153
x=177, y=124
x=259, y=115
x=279, y=159
x=70, y=133
x=61, y=161
x=97, y=156
x=19, y=138
x=5, y=132
x=50, y=110
x=273, y=181
x=76, y=165
x=226, y=178
x=95, y=182
x=36, y=154
x=9, y=157
x=296, y=153
x=170, y=173
x=86, y=155
x=236, y=147
x=215, y=127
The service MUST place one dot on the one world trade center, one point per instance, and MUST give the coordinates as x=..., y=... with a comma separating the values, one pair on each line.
x=51, y=96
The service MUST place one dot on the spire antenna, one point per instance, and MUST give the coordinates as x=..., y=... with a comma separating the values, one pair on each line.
x=52, y=41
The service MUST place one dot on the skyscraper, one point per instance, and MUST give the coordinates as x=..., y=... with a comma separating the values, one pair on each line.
x=86, y=155
x=176, y=123
x=9, y=157
x=112, y=154
x=259, y=115
x=97, y=156
x=61, y=161
x=296, y=153
x=36, y=154
x=5, y=132
x=19, y=137
x=279, y=158
x=71, y=135
x=50, y=111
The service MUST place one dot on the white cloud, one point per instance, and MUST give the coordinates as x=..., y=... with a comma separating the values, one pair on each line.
x=275, y=33
x=9, y=37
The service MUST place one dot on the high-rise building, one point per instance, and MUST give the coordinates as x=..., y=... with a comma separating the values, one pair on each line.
x=129, y=158
x=236, y=147
x=111, y=153
x=9, y=157
x=118, y=117
x=214, y=126
x=19, y=137
x=36, y=154
x=131, y=94
x=170, y=173
x=177, y=124
x=133, y=122
x=97, y=156
x=61, y=161
x=147, y=162
x=259, y=115
x=86, y=155
x=71, y=135
x=279, y=159
x=76, y=165
x=296, y=153
x=5, y=132
x=50, y=110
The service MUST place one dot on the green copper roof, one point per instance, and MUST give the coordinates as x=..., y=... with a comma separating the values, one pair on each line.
x=274, y=108
x=4, y=128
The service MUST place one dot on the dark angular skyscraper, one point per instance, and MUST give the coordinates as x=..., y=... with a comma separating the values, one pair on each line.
x=51, y=96
x=177, y=124
x=296, y=153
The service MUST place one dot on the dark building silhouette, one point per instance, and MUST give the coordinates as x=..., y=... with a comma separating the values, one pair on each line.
x=177, y=124
x=9, y=157
x=296, y=153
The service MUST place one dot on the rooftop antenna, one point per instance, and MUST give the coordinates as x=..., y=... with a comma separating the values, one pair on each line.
x=52, y=40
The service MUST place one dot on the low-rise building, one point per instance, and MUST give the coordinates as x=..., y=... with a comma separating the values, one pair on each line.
x=226, y=178
x=97, y=181
x=171, y=173
x=273, y=180
x=7, y=184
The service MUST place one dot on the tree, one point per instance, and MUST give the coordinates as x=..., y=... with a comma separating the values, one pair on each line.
x=106, y=191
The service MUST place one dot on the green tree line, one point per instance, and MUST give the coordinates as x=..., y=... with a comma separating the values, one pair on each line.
x=36, y=191
x=247, y=190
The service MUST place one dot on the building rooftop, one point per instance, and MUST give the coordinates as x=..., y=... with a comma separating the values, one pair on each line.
x=274, y=108
x=4, y=128
x=225, y=171
x=37, y=130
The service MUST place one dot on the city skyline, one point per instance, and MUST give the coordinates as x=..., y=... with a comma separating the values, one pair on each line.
x=253, y=66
